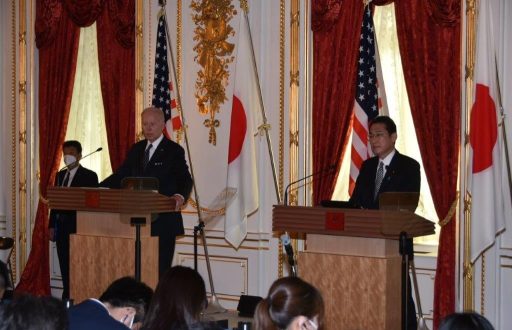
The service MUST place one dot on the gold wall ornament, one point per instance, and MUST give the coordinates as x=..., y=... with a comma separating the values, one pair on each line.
x=212, y=124
x=212, y=30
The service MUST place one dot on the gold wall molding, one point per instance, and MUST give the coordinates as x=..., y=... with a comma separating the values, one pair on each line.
x=179, y=31
x=213, y=54
x=482, y=286
x=22, y=87
x=139, y=66
x=22, y=129
x=294, y=142
x=294, y=76
x=468, y=285
x=14, y=136
x=282, y=6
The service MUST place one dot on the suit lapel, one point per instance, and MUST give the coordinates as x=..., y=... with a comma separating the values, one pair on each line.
x=390, y=172
x=76, y=178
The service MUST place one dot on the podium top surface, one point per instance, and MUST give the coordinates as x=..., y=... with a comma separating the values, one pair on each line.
x=349, y=222
x=109, y=200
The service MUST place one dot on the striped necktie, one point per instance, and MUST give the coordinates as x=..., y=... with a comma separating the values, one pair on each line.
x=378, y=179
x=146, y=155
x=66, y=180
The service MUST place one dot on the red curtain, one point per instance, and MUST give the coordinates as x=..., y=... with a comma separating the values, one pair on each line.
x=57, y=35
x=336, y=26
x=429, y=36
x=58, y=48
x=117, y=70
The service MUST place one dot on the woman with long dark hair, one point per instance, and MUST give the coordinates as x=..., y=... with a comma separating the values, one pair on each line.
x=291, y=304
x=178, y=301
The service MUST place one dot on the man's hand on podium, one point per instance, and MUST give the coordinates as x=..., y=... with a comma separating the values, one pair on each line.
x=180, y=200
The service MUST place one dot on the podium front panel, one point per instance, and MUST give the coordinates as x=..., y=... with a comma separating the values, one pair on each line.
x=97, y=261
x=359, y=292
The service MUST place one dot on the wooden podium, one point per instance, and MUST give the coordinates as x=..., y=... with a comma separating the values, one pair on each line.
x=352, y=257
x=103, y=248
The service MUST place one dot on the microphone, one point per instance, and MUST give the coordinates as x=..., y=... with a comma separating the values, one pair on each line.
x=78, y=160
x=285, y=239
x=326, y=170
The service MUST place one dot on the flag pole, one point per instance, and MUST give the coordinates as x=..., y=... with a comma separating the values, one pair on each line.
x=503, y=127
x=213, y=305
x=265, y=126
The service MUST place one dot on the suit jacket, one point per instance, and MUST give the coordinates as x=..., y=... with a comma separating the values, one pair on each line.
x=402, y=175
x=168, y=165
x=90, y=314
x=83, y=178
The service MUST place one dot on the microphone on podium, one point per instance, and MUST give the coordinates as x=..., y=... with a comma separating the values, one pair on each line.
x=78, y=160
x=285, y=239
x=323, y=171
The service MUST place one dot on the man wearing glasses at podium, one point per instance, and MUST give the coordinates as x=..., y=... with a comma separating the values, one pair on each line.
x=387, y=171
x=160, y=158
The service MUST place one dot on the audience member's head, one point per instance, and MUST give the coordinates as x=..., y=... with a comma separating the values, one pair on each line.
x=291, y=304
x=465, y=321
x=179, y=299
x=127, y=300
x=4, y=279
x=34, y=313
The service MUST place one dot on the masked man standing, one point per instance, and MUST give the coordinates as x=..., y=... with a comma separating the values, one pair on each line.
x=63, y=223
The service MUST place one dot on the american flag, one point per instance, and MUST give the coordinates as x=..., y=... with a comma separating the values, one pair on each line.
x=366, y=106
x=163, y=94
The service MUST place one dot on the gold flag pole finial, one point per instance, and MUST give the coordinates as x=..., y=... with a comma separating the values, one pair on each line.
x=245, y=6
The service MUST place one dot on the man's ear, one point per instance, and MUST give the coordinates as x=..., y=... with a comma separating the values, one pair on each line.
x=393, y=137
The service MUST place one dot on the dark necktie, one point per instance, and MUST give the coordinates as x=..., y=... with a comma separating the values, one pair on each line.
x=378, y=179
x=66, y=179
x=146, y=156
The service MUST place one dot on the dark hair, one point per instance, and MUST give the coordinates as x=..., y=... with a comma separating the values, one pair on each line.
x=73, y=144
x=34, y=313
x=128, y=292
x=179, y=299
x=289, y=297
x=387, y=121
x=5, y=281
x=465, y=321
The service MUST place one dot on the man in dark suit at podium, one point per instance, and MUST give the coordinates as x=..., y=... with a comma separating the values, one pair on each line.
x=158, y=157
x=387, y=171
x=63, y=223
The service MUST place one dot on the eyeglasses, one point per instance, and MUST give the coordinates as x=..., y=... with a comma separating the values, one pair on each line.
x=377, y=135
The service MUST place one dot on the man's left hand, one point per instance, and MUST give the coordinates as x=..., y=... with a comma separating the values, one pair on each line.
x=179, y=201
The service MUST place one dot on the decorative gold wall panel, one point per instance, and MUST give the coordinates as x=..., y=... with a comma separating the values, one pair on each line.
x=14, y=135
x=468, y=298
x=22, y=132
x=139, y=65
x=214, y=54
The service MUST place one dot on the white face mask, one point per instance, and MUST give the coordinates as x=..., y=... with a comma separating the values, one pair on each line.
x=69, y=159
